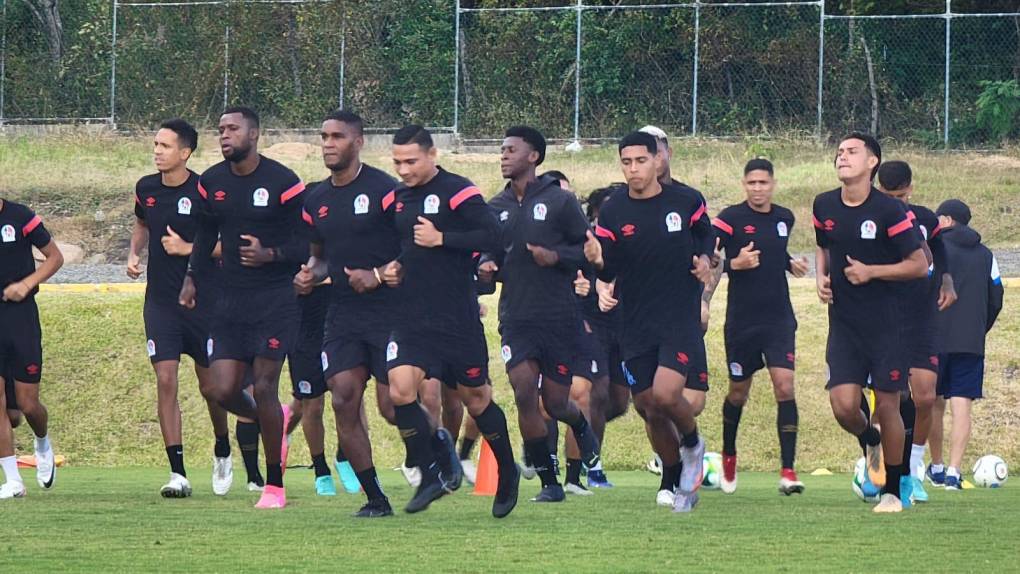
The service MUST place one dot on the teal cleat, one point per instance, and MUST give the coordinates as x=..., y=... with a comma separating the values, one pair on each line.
x=348, y=477
x=324, y=486
x=906, y=490
x=918, y=492
x=869, y=490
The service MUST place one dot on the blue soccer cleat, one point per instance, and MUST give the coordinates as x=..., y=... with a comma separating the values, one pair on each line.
x=937, y=479
x=324, y=486
x=869, y=490
x=598, y=479
x=918, y=491
x=906, y=490
x=348, y=478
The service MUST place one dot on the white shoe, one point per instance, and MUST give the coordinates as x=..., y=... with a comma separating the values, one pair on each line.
x=470, y=470
x=411, y=474
x=45, y=469
x=685, y=502
x=665, y=498
x=578, y=489
x=178, y=487
x=693, y=460
x=654, y=466
x=252, y=487
x=888, y=503
x=12, y=489
x=222, y=475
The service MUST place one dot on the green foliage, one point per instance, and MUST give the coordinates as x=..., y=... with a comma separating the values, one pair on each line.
x=998, y=106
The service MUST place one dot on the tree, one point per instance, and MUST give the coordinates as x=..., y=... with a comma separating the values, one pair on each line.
x=47, y=12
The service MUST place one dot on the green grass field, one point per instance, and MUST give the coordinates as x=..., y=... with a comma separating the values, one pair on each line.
x=104, y=520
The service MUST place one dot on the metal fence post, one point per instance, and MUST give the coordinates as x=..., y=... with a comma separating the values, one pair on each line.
x=343, y=50
x=694, y=91
x=949, y=23
x=821, y=65
x=577, y=78
x=113, y=68
x=3, y=59
x=456, y=70
x=226, y=64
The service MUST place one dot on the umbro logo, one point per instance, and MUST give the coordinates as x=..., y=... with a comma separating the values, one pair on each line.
x=791, y=357
x=32, y=369
x=150, y=202
x=473, y=372
x=220, y=195
x=628, y=230
x=829, y=224
x=749, y=229
x=274, y=343
x=894, y=375
x=683, y=358
x=400, y=206
x=323, y=211
x=562, y=369
x=703, y=377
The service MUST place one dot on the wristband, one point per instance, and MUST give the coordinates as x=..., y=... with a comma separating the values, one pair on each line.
x=377, y=276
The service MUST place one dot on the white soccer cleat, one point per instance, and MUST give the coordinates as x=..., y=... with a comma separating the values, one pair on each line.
x=693, y=470
x=252, y=487
x=577, y=489
x=45, y=469
x=665, y=498
x=411, y=474
x=177, y=487
x=887, y=504
x=685, y=502
x=470, y=470
x=12, y=489
x=222, y=475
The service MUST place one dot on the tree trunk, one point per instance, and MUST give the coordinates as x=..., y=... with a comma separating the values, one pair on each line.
x=871, y=84
x=47, y=12
x=292, y=53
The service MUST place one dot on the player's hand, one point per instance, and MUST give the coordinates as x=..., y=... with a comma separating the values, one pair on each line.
x=393, y=273
x=605, y=292
x=799, y=266
x=947, y=295
x=17, y=291
x=582, y=287
x=253, y=254
x=856, y=272
x=487, y=271
x=823, y=283
x=748, y=258
x=134, y=266
x=702, y=269
x=426, y=234
x=187, y=296
x=174, y=245
x=717, y=254
x=362, y=280
x=543, y=257
x=304, y=280
x=593, y=251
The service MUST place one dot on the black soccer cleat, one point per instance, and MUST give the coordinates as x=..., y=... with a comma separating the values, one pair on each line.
x=430, y=490
x=551, y=493
x=506, y=493
x=451, y=473
x=375, y=508
x=589, y=450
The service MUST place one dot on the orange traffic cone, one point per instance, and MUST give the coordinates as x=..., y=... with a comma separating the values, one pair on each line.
x=488, y=472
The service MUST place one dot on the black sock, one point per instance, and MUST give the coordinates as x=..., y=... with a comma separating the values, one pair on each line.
x=320, y=466
x=786, y=423
x=866, y=410
x=370, y=483
x=538, y=451
x=870, y=437
x=730, y=421
x=222, y=447
x=176, y=455
x=552, y=435
x=492, y=423
x=908, y=411
x=573, y=471
x=893, y=472
x=274, y=474
x=690, y=440
x=340, y=456
x=414, y=429
x=670, y=476
x=248, y=442
x=466, y=444
x=580, y=427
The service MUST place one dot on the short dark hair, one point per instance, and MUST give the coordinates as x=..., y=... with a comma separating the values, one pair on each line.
x=350, y=118
x=413, y=133
x=640, y=139
x=559, y=175
x=759, y=163
x=246, y=113
x=895, y=175
x=187, y=136
x=599, y=196
x=871, y=144
x=956, y=209
x=531, y=136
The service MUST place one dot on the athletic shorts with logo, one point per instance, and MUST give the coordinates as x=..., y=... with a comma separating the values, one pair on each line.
x=878, y=359
x=609, y=347
x=305, y=359
x=252, y=323
x=919, y=335
x=592, y=361
x=172, y=330
x=555, y=349
x=21, y=341
x=454, y=358
x=681, y=354
x=753, y=347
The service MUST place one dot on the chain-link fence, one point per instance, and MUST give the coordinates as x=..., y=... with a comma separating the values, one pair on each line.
x=578, y=69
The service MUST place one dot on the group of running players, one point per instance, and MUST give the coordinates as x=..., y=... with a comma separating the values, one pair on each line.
x=361, y=276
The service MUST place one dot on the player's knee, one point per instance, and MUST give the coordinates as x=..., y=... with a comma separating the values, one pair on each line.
x=166, y=385
x=314, y=407
x=783, y=391
x=737, y=395
x=924, y=398
x=15, y=418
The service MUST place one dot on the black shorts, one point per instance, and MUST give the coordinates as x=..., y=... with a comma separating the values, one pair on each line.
x=343, y=353
x=305, y=359
x=172, y=330
x=9, y=396
x=876, y=359
x=591, y=361
x=21, y=341
x=253, y=323
x=454, y=358
x=961, y=375
x=751, y=348
x=554, y=348
x=682, y=355
x=919, y=337
x=609, y=342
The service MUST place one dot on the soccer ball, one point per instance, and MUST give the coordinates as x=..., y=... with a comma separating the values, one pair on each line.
x=990, y=471
x=711, y=470
x=860, y=476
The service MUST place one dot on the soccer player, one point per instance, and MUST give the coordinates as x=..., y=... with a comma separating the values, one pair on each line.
x=867, y=248
x=253, y=204
x=353, y=239
x=441, y=220
x=21, y=357
x=653, y=241
x=760, y=326
x=542, y=236
x=923, y=299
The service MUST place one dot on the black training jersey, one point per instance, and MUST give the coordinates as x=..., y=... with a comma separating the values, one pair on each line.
x=161, y=206
x=351, y=223
x=438, y=290
x=877, y=232
x=648, y=247
x=759, y=296
x=20, y=230
x=550, y=217
x=921, y=296
x=265, y=204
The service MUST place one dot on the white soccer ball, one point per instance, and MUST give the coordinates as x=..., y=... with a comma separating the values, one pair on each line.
x=990, y=471
x=860, y=476
x=711, y=471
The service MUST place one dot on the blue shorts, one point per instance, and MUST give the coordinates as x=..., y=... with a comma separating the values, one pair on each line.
x=961, y=375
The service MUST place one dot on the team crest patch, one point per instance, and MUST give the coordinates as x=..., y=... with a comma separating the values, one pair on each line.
x=361, y=204
x=260, y=198
x=184, y=206
x=8, y=233
x=391, y=351
x=736, y=369
x=504, y=215
x=782, y=229
x=432, y=204
x=674, y=222
x=325, y=361
x=209, y=347
x=868, y=229
x=594, y=368
x=304, y=387
x=539, y=212
x=507, y=355
x=150, y=346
